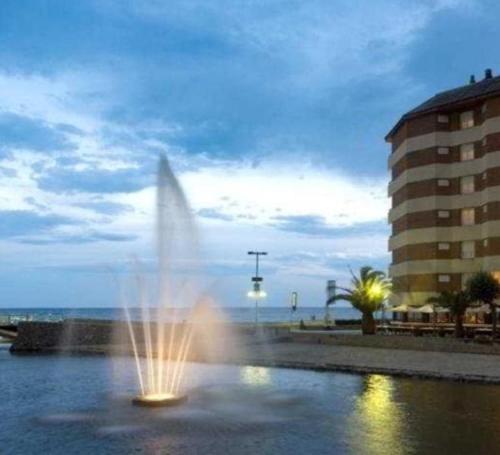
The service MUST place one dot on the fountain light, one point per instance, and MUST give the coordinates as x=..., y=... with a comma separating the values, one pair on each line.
x=156, y=400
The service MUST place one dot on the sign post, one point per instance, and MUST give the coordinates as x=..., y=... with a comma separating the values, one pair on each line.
x=331, y=290
x=294, y=301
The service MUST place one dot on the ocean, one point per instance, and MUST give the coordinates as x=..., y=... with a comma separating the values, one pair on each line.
x=233, y=314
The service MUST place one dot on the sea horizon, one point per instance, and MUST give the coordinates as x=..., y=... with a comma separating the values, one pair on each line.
x=233, y=314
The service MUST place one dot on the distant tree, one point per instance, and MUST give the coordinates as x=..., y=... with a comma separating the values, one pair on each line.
x=457, y=303
x=367, y=295
x=483, y=287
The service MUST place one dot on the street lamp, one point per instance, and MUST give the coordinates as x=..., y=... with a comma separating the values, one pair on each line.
x=257, y=293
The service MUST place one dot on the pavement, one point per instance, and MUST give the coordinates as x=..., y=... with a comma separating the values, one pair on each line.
x=466, y=367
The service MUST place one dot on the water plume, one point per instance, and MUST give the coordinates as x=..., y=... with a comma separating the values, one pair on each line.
x=160, y=340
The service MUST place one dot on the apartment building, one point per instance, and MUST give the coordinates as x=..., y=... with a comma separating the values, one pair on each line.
x=445, y=191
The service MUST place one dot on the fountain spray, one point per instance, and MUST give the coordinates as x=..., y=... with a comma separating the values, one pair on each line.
x=163, y=341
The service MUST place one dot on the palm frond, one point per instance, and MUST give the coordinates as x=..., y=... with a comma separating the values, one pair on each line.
x=348, y=297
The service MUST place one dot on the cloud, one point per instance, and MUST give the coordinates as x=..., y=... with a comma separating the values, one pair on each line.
x=8, y=172
x=17, y=223
x=106, y=207
x=299, y=73
x=97, y=181
x=88, y=237
x=304, y=224
x=214, y=213
x=70, y=129
x=273, y=115
x=315, y=225
x=327, y=264
x=18, y=132
x=293, y=188
x=68, y=160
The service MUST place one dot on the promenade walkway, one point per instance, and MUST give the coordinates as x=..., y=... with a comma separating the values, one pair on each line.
x=400, y=362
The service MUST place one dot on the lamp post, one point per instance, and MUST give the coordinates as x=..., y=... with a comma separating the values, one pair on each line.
x=257, y=293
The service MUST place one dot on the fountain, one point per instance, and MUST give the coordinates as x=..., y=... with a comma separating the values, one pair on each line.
x=161, y=342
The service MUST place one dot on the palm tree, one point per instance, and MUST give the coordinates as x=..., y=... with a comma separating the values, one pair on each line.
x=457, y=302
x=485, y=288
x=368, y=293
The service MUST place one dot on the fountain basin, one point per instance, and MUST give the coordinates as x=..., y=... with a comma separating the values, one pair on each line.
x=159, y=400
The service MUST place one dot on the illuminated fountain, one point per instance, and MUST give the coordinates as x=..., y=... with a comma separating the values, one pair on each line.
x=161, y=342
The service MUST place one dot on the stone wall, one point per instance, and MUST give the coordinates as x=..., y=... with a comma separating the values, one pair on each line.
x=37, y=336
x=80, y=333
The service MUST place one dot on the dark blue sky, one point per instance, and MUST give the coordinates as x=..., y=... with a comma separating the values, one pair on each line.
x=272, y=113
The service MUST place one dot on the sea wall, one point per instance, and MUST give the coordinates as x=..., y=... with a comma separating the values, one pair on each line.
x=43, y=336
x=107, y=335
x=101, y=336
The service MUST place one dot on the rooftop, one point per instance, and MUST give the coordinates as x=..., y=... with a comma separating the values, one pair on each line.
x=474, y=90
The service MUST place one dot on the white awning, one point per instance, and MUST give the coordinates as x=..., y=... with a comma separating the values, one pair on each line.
x=427, y=308
x=440, y=309
x=399, y=309
x=479, y=309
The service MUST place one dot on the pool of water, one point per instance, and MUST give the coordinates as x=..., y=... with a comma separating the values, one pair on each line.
x=66, y=405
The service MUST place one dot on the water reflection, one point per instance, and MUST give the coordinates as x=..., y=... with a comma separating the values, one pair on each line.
x=255, y=375
x=377, y=422
x=231, y=410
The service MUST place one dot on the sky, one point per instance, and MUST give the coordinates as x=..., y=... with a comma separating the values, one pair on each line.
x=272, y=115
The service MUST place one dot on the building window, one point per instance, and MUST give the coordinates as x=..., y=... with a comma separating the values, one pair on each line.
x=443, y=118
x=484, y=108
x=467, y=152
x=484, y=141
x=485, y=243
x=443, y=214
x=496, y=275
x=485, y=175
x=468, y=249
x=443, y=182
x=443, y=150
x=485, y=208
x=468, y=217
x=444, y=278
x=467, y=184
x=466, y=119
x=443, y=246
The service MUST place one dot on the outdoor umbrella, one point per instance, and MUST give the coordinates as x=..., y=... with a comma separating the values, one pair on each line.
x=403, y=308
x=427, y=308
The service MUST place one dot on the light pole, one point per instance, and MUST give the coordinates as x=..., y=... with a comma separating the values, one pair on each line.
x=257, y=293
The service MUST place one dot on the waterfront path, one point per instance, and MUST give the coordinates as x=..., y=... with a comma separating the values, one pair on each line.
x=454, y=366
x=399, y=362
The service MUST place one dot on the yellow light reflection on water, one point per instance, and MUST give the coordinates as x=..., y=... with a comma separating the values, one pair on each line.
x=255, y=375
x=377, y=421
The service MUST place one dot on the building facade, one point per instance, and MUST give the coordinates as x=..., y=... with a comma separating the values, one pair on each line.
x=445, y=191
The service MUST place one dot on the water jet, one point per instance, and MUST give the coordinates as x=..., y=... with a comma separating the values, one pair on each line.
x=160, y=341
